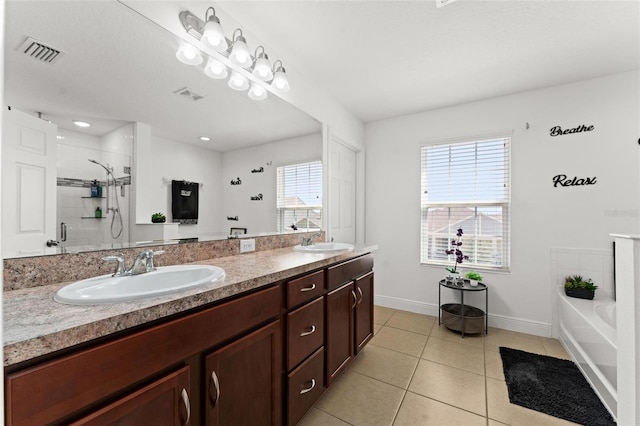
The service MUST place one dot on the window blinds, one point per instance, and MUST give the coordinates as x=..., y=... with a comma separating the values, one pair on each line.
x=299, y=195
x=466, y=185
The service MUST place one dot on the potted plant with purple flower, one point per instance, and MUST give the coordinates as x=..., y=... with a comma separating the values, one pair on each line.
x=454, y=248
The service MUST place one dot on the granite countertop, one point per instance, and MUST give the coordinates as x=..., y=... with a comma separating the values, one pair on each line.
x=36, y=325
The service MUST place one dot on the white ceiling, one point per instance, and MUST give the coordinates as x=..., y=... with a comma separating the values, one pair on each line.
x=387, y=58
x=378, y=58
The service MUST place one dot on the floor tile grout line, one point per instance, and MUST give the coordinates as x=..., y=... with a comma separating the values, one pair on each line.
x=335, y=417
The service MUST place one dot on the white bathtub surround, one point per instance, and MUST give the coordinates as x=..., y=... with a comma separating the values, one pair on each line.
x=591, y=342
x=628, y=319
x=586, y=327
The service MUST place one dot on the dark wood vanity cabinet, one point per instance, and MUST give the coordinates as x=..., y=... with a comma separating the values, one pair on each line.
x=164, y=402
x=261, y=358
x=112, y=377
x=244, y=380
x=305, y=343
x=349, y=312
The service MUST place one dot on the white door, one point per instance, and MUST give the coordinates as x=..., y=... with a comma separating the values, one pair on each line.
x=342, y=178
x=28, y=183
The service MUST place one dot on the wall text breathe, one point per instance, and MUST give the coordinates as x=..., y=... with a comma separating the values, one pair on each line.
x=557, y=130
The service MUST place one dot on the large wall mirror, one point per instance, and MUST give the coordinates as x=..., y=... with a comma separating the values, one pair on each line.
x=117, y=70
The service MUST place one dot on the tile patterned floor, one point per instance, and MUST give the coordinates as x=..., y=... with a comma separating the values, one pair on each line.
x=416, y=373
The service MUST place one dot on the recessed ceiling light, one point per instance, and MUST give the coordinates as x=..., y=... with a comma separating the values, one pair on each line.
x=59, y=137
x=81, y=123
x=205, y=138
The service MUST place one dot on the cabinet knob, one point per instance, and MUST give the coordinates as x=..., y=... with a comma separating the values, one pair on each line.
x=187, y=406
x=312, y=287
x=361, y=297
x=310, y=388
x=216, y=389
x=355, y=299
x=311, y=331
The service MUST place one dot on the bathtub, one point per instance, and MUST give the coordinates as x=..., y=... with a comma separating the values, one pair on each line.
x=587, y=329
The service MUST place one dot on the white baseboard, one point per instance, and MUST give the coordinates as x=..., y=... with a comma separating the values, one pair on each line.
x=520, y=325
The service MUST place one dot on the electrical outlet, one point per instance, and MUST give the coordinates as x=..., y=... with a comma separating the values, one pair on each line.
x=247, y=245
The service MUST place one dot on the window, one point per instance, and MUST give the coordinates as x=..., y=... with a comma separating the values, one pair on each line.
x=466, y=185
x=300, y=196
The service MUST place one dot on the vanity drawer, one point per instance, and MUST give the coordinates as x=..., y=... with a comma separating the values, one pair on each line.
x=306, y=384
x=348, y=271
x=305, y=288
x=305, y=331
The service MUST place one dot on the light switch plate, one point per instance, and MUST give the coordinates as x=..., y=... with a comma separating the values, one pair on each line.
x=247, y=245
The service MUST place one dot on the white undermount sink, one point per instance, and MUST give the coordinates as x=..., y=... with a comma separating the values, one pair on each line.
x=164, y=280
x=323, y=247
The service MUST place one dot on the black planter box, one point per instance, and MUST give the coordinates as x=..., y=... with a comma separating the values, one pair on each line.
x=580, y=293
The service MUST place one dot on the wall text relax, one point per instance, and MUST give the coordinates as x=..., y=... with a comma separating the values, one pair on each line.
x=563, y=180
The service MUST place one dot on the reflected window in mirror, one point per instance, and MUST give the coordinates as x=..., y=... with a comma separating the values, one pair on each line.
x=299, y=192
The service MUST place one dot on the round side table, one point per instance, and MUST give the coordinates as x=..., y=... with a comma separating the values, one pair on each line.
x=456, y=318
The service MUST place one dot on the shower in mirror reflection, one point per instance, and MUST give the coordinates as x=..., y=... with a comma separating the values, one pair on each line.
x=115, y=229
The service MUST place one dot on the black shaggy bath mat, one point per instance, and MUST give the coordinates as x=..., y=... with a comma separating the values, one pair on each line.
x=553, y=386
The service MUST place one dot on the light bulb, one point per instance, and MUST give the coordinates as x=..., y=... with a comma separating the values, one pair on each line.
x=257, y=92
x=212, y=35
x=215, y=69
x=262, y=68
x=189, y=54
x=238, y=81
x=240, y=53
x=280, y=81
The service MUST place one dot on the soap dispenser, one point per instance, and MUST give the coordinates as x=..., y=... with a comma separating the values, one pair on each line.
x=98, y=212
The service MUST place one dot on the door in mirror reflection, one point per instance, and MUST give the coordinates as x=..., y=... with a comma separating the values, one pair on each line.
x=28, y=183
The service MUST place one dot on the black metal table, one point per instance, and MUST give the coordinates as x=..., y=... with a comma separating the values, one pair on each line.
x=464, y=287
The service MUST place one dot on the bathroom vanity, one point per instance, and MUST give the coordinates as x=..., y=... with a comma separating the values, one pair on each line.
x=258, y=348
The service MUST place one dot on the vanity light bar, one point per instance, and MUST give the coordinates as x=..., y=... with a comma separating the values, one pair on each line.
x=196, y=28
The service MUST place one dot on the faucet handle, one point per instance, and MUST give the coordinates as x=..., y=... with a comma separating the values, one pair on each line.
x=150, y=265
x=120, y=269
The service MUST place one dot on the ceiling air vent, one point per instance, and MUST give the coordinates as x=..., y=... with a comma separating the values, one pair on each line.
x=190, y=93
x=40, y=51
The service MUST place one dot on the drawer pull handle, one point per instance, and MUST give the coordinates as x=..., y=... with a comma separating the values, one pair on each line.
x=216, y=391
x=187, y=405
x=312, y=287
x=310, y=388
x=361, y=296
x=306, y=333
x=355, y=298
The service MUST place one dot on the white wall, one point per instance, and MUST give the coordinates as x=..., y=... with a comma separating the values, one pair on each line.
x=542, y=216
x=171, y=160
x=260, y=216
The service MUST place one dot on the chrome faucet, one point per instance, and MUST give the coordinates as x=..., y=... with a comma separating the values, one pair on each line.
x=142, y=264
x=309, y=241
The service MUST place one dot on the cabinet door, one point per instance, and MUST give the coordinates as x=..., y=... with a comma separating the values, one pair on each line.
x=244, y=380
x=364, y=311
x=339, y=344
x=163, y=402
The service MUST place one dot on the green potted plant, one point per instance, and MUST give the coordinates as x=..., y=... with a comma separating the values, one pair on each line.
x=474, y=278
x=158, y=218
x=577, y=286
